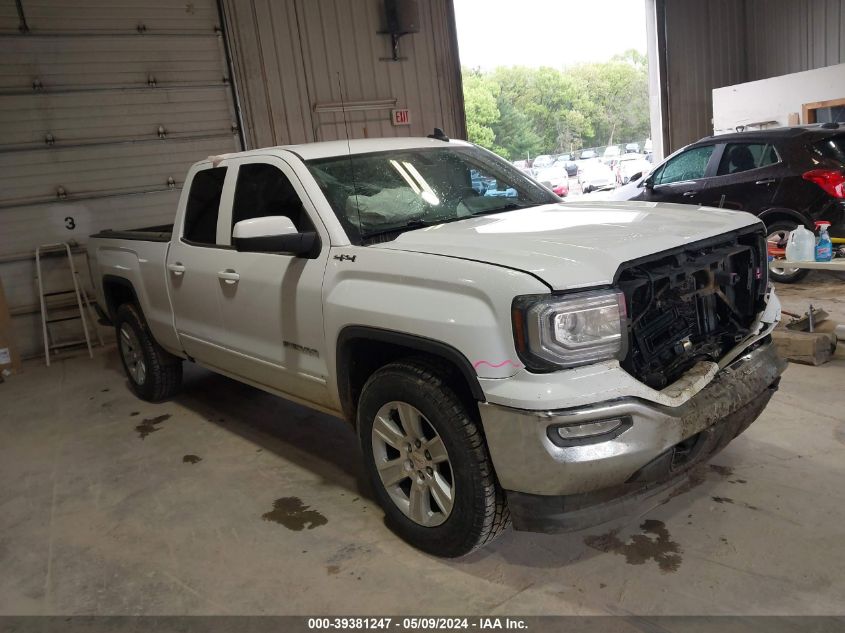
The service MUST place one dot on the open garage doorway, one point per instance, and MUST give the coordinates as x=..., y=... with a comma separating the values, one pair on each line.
x=560, y=89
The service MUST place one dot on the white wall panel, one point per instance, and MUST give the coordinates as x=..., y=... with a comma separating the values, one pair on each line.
x=776, y=98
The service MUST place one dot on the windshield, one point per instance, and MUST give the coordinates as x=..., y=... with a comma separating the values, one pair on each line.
x=392, y=191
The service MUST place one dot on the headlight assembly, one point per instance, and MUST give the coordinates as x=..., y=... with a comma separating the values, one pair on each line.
x=554, y=332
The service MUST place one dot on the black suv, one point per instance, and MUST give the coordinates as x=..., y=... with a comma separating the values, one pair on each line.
x=785, y=176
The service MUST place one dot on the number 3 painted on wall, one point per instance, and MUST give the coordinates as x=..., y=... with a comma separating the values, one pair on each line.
x=70, y=223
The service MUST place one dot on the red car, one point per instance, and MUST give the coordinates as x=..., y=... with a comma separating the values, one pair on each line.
x=561, y=189
x=555, y=178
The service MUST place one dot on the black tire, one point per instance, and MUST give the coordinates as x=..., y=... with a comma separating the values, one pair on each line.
x=162, y=375
x=479, y=512
x=784, y=228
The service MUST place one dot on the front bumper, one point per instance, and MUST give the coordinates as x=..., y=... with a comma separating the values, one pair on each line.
x=552, y=488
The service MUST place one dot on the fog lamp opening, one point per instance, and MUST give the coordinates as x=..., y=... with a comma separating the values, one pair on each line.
x=588, y=432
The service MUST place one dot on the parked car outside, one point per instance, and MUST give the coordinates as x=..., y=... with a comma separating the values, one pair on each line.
x=632, y=148
x=611, y=154
x=587, y=154
x=522, y=165
x=555, y=178
x=541, y=162
x=481, y=183
x=630, y=165
x=594, y=175
x=568, y=164
x=785, y=176
x=506, y=360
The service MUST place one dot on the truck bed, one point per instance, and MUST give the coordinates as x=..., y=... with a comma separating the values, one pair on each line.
x=161, y=233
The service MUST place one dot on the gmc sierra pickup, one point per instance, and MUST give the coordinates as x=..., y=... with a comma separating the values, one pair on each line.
x=505, y=357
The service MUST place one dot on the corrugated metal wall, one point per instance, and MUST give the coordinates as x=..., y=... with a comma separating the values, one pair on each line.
x=296, y=60
x=716, y=43
x=788, y=36
x=703, y=50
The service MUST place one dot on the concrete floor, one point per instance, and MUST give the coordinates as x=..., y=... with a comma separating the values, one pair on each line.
x=110, y=505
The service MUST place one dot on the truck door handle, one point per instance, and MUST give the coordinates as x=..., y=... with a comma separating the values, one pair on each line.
x=177, y=269
x=229, y=276
x=689, y=194
x=767, y=181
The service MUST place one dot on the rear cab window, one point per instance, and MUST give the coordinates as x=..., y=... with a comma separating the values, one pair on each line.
x=740, y=157
x=203, y=207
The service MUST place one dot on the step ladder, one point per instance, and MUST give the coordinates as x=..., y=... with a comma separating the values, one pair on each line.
x=81, y=305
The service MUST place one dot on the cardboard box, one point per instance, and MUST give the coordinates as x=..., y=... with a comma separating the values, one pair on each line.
x=10, y=359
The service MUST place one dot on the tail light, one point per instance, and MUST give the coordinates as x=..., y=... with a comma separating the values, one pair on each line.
x=831, y=180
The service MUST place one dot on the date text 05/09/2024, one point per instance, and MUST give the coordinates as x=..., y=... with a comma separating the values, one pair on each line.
x=417, y=623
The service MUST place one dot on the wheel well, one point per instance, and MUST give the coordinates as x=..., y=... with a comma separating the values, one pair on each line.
x=117, y=291
x=360, y=354
x=787, y=215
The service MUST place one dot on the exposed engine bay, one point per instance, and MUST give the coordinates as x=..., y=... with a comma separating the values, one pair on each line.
x=691, y=304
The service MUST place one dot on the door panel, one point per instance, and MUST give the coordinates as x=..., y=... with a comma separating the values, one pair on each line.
x=191, y=276
x=191, y=267
x=684, y=192
x=271, y=303
x=747, y=177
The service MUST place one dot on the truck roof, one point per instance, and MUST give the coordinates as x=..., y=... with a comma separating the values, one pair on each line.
x=331, y=149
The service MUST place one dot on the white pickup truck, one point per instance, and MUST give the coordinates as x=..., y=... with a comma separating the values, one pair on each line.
x=503, y=356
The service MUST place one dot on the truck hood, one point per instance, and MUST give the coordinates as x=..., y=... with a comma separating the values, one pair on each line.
x=572, y=245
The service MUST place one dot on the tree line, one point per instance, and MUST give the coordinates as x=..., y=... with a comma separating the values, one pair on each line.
x=519, y=111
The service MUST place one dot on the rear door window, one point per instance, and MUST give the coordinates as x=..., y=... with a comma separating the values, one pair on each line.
x=740, y=157
x=832, y=148
x=200, y=226
x=688, y=165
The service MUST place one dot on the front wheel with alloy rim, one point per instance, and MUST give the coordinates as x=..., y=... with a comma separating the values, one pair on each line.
x=154, y=374
x=777, y=233
x=427, y=461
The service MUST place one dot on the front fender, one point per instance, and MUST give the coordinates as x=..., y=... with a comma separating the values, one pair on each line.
x=461, y=304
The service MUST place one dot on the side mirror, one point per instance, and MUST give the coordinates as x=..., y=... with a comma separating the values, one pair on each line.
x=273, y=234
x=648, y=183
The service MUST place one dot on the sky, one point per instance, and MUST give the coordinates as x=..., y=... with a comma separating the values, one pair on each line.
x=553, y=33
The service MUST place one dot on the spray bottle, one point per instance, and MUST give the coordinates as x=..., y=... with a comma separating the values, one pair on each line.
x=824, y=247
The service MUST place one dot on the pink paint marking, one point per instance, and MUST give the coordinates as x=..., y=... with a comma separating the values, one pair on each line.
x=478, y=363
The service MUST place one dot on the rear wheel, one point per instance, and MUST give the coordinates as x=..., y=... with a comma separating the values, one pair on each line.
x=427, y=461
x=153, y=373
x=777, y=233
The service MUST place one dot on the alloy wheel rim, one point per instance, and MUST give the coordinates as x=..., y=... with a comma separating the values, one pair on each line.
x=413, y=464
x=130, y=349
x=779, y=238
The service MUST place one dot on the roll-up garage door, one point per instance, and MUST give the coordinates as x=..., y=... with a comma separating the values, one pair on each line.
x=103, y=106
